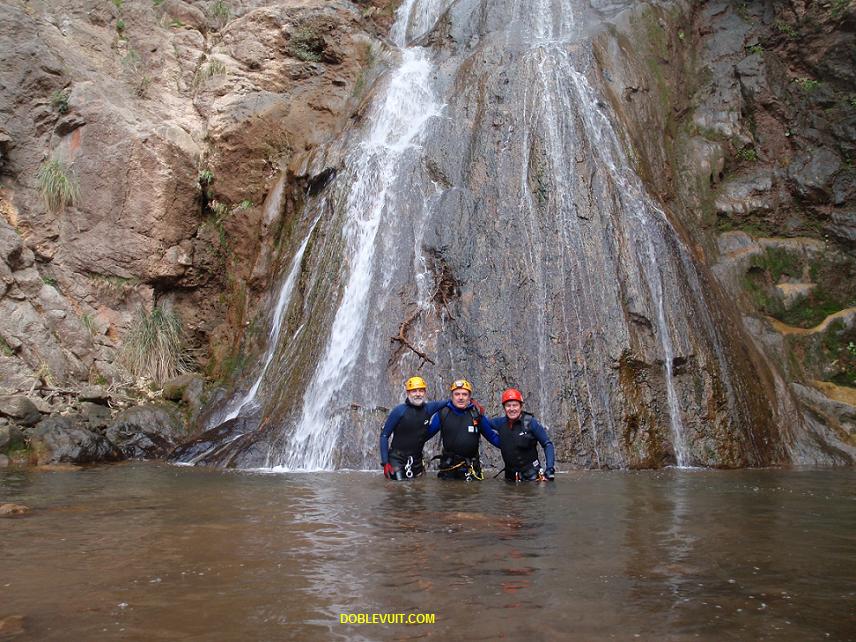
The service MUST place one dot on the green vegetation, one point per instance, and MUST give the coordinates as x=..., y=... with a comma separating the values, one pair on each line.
x=755, y=49
x=839, y=352
x=57, y=184
x=777, y=262
x=215, y=68
x=59, y=101
x=786, y=29
x=748, y=154
x=118, y=4
x=220, y=13
x=206, y=177
x=5, y=348
x=219, y=212
x=681, y=36
x=838, y=8
x=807, y=84
x=49, y=280
x=157, y=3
x=743, y=11
x=831, y=293
x=136, y=72
x=120, y=26
x=89, y=323
x=244, y=205
x=176, y=23
x=155, y=346
x=306, y=44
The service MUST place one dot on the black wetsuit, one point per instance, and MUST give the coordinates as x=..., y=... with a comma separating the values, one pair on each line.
x=408, y=425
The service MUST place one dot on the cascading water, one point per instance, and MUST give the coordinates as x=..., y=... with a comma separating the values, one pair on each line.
x=490, y=211
x=398, y=122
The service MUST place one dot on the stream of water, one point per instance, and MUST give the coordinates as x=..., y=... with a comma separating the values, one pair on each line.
x=148, y=552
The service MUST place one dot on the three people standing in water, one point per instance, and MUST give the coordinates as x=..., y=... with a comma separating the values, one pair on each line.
x=461, y=422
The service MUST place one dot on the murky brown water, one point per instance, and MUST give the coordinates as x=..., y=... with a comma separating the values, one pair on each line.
x=152, y=552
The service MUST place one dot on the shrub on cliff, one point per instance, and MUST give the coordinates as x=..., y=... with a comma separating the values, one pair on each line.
x=306, y=44
x=57, y=184
x=155, y=346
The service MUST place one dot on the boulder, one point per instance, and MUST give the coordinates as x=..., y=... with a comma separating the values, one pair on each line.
x=842, y=225
x=4, y=461
x=64, y=440
x=10, y=437
x=145, y=432
x=94, y=394
x=97, y=417
x=175, y=388
x=20, y=409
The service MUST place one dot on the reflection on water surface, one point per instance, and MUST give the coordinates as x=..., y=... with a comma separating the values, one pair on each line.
x=147, y=551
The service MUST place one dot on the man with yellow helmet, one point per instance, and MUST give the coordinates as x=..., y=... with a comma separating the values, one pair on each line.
x=461, y=423
x=407, y=424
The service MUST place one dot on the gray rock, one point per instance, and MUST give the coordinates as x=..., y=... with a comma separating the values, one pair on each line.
x=94, y=394
x=15, y=375
x=64, y=440
x=19, y=408
x=98, y=417
x=4, y=461
x=11, y=245
x=811, y=174
x=5, y=437
x=174, y=388
x=842, y=225
x=146, y=432
x=186, y=14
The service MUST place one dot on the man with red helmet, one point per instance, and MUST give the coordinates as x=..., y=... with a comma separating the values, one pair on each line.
x=518, y=433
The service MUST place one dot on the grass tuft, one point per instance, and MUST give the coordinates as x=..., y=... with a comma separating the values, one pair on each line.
x=57, y=185
x=156, y=346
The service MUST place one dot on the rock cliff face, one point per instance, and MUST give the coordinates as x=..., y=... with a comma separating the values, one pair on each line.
x=756, y=104
x=169, y=122
x=207, y=144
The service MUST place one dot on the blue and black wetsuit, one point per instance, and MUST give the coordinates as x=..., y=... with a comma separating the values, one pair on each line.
x=460, y=431
x=408, y=426
x=518, y=442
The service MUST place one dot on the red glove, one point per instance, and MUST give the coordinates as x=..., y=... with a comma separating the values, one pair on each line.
x=388, y=471
x=478, y=407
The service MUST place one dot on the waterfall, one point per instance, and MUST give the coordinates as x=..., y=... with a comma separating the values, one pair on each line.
x=397, y=123
x=487, y=200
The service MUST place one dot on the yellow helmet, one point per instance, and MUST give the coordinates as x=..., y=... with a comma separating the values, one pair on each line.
x=461, y=383
x=415, y=383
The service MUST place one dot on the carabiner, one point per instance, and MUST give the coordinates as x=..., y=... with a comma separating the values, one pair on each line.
x=407, y=468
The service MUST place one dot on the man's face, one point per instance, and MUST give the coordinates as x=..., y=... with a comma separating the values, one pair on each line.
x=513, y=409
x=460, y=398
x=416, y=396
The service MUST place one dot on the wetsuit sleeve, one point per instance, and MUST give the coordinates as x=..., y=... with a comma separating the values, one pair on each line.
x=488, y=432
x=388, y=428
x=544, y=439
x=434, y=406
x=433, y=426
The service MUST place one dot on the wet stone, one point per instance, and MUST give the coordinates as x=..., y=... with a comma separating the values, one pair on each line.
x=65, y=440
x=145, y=432
x=19, y=408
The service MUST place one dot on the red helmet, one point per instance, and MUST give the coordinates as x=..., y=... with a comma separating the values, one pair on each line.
x=512, y=394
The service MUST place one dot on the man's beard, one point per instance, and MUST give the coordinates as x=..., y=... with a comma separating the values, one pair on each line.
x=416, y=402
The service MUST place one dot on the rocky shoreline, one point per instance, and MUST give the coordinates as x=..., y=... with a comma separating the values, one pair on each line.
x=93, y=424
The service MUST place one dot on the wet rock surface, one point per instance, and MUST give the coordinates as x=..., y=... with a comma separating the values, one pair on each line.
x=146, y=432
x=66, y=440
x=548, y=265
x=596, y=218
